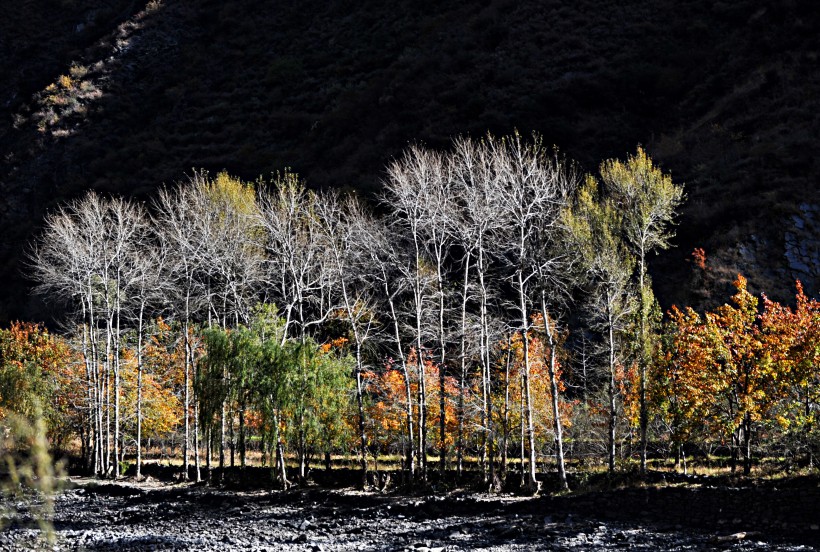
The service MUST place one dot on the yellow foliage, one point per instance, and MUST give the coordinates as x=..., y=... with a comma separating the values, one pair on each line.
x=65, y=82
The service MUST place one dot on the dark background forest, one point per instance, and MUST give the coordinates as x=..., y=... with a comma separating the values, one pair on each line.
x=123, y=96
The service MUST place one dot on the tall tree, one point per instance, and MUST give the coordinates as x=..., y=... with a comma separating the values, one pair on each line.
x=744, y=369
x=647, y=199
x=390, y=270
x=477, y=225
x=64, y=262
x=177, y=220
x=343, y=224
x=124, y=232
x=144, y=289
x=410, y=181
x=593, y=224
x=533, y=185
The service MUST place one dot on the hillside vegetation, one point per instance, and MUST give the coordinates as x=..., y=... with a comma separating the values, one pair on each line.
x=123, y=96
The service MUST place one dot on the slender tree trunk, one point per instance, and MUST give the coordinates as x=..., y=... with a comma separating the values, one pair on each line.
x=422, y=387
x=360, y=405
x=108, y=446
x=242, y=436
x=109, y=323
x=733, y=453
x=117, y=384
x=209, y=447
x=486, y=384
x=187, y=397
x=506, y=428
x=410, y=453
x=422, y=391
x=642, y=361
x=462, y=383
x=232, y=439
x=532, y=483
x=441, y=370
x=747, y=444
x=611, y=389
x=88, y=447
x=280, y=452
x=196, y=442
x=302, y=453
x=422, y=402
x=222, y=421
x=523, y=440
x=97, y=399
x=195, y=400
x=556, y=413
x=139, y=390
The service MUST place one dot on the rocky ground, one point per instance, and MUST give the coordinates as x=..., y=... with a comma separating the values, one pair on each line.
x=126, y=516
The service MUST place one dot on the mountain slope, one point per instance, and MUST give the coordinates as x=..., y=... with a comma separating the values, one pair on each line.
x=725, y=96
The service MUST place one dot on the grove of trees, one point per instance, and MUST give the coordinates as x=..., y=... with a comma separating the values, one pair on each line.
x=497, y=316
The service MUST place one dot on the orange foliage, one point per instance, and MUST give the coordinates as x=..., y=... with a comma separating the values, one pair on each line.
x=540, y=386
x=699, y=258
x=40, y=370
x=387, y=414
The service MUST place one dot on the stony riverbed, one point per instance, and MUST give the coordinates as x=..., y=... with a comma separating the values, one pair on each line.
x=160, y=517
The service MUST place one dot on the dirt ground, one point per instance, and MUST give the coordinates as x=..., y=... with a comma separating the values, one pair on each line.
x=158, y=516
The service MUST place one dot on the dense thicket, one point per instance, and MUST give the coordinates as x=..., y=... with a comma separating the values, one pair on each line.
x=228, y=317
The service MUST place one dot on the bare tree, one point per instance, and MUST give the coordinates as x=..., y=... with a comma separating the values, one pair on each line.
x=177, y=222
x=83, y=256
x=533, y=186
x=410, y=180
x=296, y=271
x=64, y=261
x=145, y=287
x=123, y=222
x=343, y=224
x=438, y=218
x=391, y=268
x=477, y=226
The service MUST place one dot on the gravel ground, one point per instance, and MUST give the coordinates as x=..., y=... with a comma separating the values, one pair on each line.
x=153, y=517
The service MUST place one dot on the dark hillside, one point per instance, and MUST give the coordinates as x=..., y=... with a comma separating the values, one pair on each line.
x=725, y=95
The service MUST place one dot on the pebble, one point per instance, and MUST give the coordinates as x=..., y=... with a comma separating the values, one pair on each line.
x=193, y=519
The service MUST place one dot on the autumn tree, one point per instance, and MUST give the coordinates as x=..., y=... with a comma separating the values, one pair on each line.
x=791, y=336
x=743, y=368
x=646, y=199
x=680, y=383
x=593, y=224
x=37, y=377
